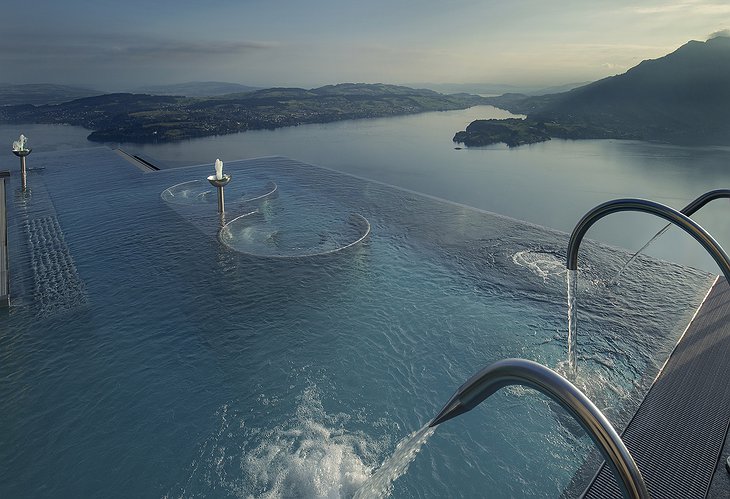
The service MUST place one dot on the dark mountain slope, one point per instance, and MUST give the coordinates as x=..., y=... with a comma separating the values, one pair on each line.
x=683, y=97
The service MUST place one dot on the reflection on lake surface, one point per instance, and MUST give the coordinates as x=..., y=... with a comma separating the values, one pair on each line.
x=552, y=183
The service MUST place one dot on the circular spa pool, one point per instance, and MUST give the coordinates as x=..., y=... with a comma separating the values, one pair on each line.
x=200, y=192
x=268, y=225
x=287, y=233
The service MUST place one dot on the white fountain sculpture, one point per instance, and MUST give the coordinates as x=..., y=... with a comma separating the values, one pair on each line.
x=19, y=145
x=21, y=151
x=218, y=169
x=219, y=180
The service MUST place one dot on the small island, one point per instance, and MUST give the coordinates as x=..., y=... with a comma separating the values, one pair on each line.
x=518, y=132
x=513, y=132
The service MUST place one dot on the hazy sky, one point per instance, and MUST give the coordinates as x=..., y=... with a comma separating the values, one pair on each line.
x=117, y=44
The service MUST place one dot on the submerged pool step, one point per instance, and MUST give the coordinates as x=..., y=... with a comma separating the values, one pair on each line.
x=678, y=432
x=44, y=276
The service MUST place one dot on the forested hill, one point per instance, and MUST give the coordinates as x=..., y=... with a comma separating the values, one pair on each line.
x=683, y=98
x=151, y=118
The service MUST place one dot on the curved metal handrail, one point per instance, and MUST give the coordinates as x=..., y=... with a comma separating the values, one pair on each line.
x=644, y=205
x=527, y=373
x=688, y=210
x=701, y=201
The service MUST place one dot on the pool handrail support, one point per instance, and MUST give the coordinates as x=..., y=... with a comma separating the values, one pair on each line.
x=688, y=210
x=644, y=205
x=531, y=374
x=705, y=198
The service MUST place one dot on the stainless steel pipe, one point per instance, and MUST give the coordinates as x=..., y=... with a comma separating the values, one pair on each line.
x=528, y=373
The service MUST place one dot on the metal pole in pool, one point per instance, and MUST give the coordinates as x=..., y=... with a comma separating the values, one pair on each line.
x=21, y=151
x=219, y=181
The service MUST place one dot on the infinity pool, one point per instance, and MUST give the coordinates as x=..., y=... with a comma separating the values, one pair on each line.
x=143, y=357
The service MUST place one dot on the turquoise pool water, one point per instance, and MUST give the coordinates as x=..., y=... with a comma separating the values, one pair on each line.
x=144, y=358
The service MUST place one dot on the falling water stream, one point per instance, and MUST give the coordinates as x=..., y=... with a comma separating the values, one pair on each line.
x=615, y=279
x=572, y=280
x=380, y=484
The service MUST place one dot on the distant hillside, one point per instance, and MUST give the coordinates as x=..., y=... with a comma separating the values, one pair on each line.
x=196, y=89
x=681, y=98
x=498, y=88
x=128, y=117
x=41, y=93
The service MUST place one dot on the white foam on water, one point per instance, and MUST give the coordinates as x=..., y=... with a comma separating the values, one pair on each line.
x=308, y=459
x=312, y=454
x=544, y=265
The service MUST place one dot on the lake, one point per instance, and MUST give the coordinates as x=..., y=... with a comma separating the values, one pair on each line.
x=552, y=184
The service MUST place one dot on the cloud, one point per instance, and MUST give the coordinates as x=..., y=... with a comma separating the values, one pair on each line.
x=722, y=32
x=181, y=50
x=693, y=7
x=119, y=61
x=122, y=49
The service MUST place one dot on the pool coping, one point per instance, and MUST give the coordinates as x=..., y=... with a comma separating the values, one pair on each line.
x=4, y=256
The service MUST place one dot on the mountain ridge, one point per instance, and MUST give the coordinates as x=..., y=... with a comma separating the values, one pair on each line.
x=196, y=89
x=679, y=98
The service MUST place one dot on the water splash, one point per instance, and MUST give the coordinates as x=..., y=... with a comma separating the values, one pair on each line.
x=615, y=279
x=381, y=483
x=572, y=281
x=311, y=454
x=544, y=265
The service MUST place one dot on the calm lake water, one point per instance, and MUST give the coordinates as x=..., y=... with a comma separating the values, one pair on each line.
x=552, y=183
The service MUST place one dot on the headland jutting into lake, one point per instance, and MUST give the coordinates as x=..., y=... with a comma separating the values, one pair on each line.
x=143, y=118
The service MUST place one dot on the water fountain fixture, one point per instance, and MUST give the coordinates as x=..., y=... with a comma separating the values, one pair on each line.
x=642, y=205
x=219, y=181
x=20, y=150
x=533, y=375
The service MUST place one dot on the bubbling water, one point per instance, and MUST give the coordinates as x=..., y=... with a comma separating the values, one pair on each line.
x=311, y=454
x=544, y=265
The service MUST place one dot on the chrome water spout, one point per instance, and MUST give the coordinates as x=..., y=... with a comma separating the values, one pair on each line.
x=531, y=374
x=644, y=205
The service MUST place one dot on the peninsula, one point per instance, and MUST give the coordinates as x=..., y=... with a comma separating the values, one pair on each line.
x=140, y=118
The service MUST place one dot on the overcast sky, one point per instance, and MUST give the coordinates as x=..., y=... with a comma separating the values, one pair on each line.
x=118, y=44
